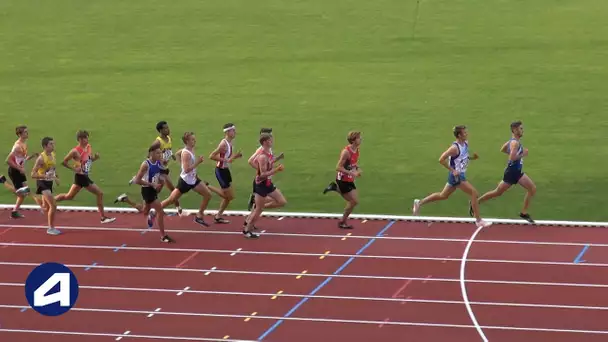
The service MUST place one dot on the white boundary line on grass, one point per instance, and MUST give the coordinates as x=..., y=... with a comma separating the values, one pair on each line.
x=334, y=216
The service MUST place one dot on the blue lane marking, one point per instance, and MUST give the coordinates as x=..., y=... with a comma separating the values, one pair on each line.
x=580, y=255
x=24, y=309
x=118, y=248
x=88, y=268
x=313, y=292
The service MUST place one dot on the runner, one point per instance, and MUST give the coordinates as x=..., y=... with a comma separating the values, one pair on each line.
x=149, y=178
x=514, y=172
x=348, y=170
x=16, y=168
x=188, y=178
x=252, y=163
x=83, y=160
x=164, y=142
x=44, y=172
x=263, y=187
x=223, y=156
x=456, y=160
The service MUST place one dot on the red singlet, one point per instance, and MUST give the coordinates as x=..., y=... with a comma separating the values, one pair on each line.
x=351, y=164
x=267, y=180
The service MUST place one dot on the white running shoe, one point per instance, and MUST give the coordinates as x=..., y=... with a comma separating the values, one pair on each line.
x=416, y=208
x=482, y=223
x=121, y=198
x=53, y=231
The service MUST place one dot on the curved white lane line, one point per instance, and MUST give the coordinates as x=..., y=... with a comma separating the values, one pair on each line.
x=463, y=288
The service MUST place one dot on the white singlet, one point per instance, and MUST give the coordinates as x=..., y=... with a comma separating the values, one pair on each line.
x=189, y=177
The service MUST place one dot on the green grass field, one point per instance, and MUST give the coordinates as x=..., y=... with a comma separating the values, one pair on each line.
x=313, y=70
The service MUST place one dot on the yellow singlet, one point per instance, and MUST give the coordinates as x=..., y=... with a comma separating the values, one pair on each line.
x=48, y=165
x=165, y=147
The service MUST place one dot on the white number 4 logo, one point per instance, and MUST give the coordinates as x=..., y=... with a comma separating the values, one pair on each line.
x=63, y=296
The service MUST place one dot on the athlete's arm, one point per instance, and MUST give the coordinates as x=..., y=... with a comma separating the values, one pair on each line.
x=503, y=149
x=10, y=160
x=156, y=144
x=35, y=155
x=265, y=169
x=450, y=152
x=71, y=155
x=215, y=155
x=514, y=147
x=188, y=166
x=37, y=166
x=340, y=167
x=251, y=160
x=140, y=175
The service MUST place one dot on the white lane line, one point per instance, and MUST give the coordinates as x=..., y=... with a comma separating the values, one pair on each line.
x=292, y=274
x=334, y=236
x=331, y=320
x=360, y=256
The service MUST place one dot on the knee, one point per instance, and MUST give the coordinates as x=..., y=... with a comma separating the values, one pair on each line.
x=100, y=194
x=532, y=190
x=354, y=202
x=282, y=202
x=229, y=197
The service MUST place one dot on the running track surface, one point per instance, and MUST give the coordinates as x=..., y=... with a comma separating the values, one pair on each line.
x=307, y=280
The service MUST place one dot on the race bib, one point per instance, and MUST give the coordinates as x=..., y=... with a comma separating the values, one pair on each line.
x=86, y=167
x=167, y=154
x=50, y=173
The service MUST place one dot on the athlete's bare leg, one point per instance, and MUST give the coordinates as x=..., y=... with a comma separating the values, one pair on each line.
x=352, y=200
x=227, y=196
x=527, y=183
x=166, y=180
x=51, y=204
x=94, y=189
x=173, y=197
x=500, y=189
x=124, y=198
x=447, y=191
x=467, y=188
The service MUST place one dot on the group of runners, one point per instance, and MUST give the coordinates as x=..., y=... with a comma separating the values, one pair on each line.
x=154, y=174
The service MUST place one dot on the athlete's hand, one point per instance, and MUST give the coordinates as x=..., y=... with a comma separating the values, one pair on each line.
x=475, y=156
x=456, y=173
x=238, y=155
x=96, y=156
x=280, y=168
x=201, y=159
x=158, y=186
x=56, y=180
x=281, y=156
x=525, y=153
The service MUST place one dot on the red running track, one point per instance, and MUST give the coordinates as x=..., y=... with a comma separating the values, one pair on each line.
x=306, y=280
